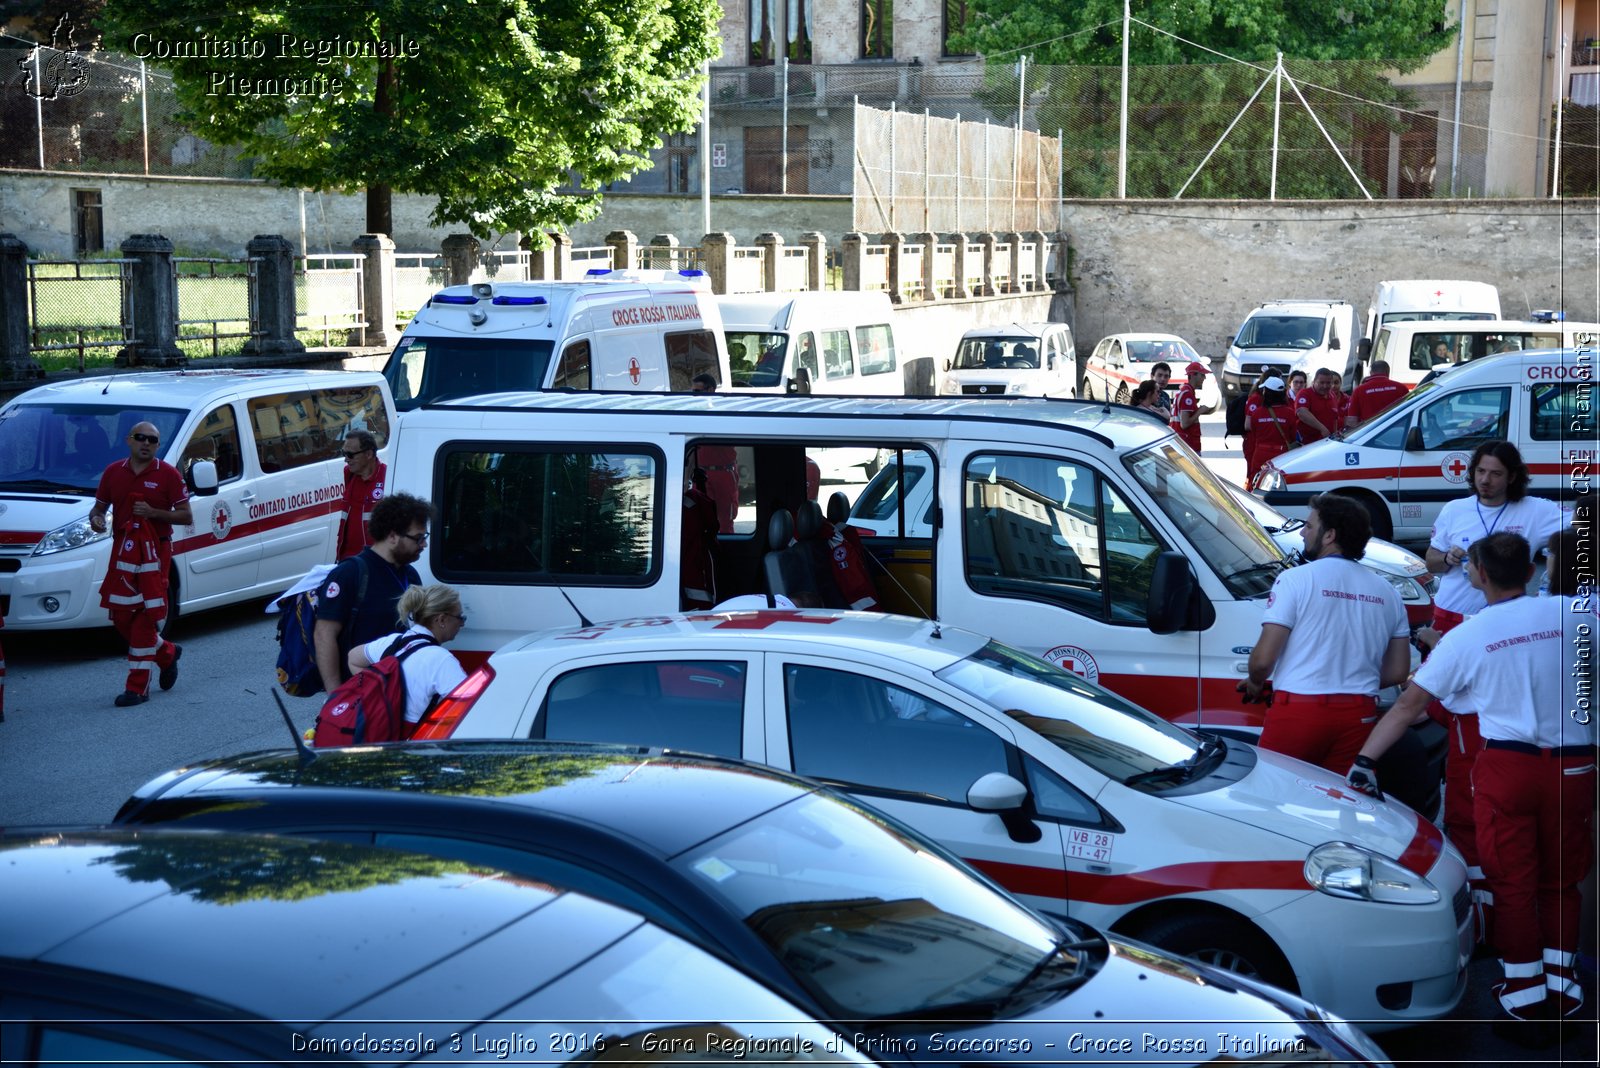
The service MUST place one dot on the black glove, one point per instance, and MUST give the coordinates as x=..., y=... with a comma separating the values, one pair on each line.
x=1364, y=777
x=1263, y=696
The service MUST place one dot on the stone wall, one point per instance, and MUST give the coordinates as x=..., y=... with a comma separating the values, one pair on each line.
x=1197, y=268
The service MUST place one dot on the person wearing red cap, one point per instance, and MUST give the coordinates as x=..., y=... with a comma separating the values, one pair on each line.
x=1186, y=406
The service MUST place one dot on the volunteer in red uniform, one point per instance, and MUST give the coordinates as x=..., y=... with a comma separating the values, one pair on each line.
x=1534, y=782
x=1318, y=407
x=1333, y=635
x=1269, y=426
x=364, y=476
x=148, y=489
x=1375, y=393
x=1499, y=504
x=1186, y=406
x=721, y=465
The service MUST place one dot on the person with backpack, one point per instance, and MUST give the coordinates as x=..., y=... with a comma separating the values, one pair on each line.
x=356, y=603
x=431, y=616
x=1271, y=427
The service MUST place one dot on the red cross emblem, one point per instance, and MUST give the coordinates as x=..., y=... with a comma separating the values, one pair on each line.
x=633, y=369
x=1334, y=793
x=1456, y=466
x=1438, y=292
x=755, y=620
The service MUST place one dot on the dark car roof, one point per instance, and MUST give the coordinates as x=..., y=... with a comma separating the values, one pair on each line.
x=294, y=930
x=665, y=801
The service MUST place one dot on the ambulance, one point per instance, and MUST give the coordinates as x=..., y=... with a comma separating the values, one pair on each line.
x=1408, y=461
x=1430, y=299
x=1416, y=350
x=260, y=451
x=611, y=330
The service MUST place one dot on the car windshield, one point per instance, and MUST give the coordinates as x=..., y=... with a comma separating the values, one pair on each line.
x=755, y=358
x=1115, y=737
x=424, y=370
x=1281, y=332
x=872, y=922
x=1177, y=353
x=997, y=353
x=1226, y=537
x=63, y=448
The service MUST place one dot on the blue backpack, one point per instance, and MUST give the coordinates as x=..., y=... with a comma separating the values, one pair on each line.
x=297, y=649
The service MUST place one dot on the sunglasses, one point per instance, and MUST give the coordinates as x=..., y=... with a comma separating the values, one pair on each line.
x=146, y=439
x=420, y=539
x=348, y=455
x=459, y=619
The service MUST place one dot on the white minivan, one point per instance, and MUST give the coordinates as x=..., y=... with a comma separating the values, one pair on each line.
x=1284, y=336
x=1014, y=360
x=819, y=342
x=1409, y=460
x=1430, y=299
x=611, y=330
x=266, y=513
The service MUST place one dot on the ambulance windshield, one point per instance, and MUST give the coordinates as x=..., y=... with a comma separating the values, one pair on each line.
x=63, y=448
x=424, y=370
x=1225, y=536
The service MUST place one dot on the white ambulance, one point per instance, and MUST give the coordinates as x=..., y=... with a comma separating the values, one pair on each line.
x=261, y=453
x=1418, y=350
x=1408, y=461
x=612, y=330
x=1430, y=299
x=820, y=342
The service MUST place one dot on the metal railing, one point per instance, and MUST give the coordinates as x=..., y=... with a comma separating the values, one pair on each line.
x=671, y=258
x=329, y=294
x=944, y=269
x=588, y=258
x=747, y=269
x=911, y=270
x=1000, y=273
x=794, y=268
x=875, y=267
x=214, y=300
x=77, y=305
x=417, y=277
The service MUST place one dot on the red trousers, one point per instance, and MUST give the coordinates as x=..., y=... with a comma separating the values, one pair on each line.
x=139, y=627
x=1327, y=731
x=1534, y=813
x=1460, y=825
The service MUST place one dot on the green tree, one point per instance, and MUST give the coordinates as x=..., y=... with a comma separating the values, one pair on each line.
x=1182, y=98
x=492, y=106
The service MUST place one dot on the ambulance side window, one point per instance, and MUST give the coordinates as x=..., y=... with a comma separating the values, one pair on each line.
x=690, y=353
x=837, y=359
x=876, y=344
x=807, y=356
x=1466, y=419
x=215, y=439
x=1561, y=412
x=573, y=370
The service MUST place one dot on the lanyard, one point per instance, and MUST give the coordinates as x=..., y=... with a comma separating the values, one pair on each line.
x=1488, y=528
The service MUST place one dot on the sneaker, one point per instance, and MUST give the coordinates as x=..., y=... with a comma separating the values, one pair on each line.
x=169, y=674
x=127, y=699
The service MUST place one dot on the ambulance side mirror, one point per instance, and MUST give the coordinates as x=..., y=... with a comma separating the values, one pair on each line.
x=203, y=478
x=1364, y=349
x=800, y=382
x=1171, y=588
x=1414, y=440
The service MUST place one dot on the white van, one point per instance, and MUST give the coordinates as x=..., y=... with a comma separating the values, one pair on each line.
x=613, y=330
x=1414, y=299
x=1413, y=457
x=1293, y=335
x=1019, y=360
x=269, y=515
x=819, y=342
x=1416, y=350
x=1062, y=527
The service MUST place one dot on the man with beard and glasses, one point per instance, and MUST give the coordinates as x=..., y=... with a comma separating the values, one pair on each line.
x=356, y=602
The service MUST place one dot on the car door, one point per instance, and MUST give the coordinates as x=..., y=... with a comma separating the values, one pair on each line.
x=911, y=749
x=1094, y=374
x=218, y=554
x=702, y=702
x=1438, y=446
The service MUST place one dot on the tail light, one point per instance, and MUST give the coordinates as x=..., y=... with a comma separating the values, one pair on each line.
x=442, y=720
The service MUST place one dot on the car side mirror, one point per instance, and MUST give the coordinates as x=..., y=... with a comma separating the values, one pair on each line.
x=1231, y=339
x=1333, y=343
x=1007, y=798
x=800, y=381
x=1414, y=440
x=1171, y=588
x=1364, y=349
x=947, y=365
x=202, y=478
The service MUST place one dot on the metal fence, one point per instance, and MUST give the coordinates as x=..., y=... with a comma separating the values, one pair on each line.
x=417, y=277
x=215, y=301
x=77, y=305
x=328, y=294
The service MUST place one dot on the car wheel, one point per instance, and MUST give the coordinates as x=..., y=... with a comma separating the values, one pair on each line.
x=1088, y=390
x=1123, y=394
x=1223, y=942
x=1377, y=512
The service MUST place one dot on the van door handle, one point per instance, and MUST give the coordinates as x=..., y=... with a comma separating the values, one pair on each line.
x=247, y=496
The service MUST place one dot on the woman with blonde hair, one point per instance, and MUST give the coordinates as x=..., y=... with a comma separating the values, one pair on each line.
x=432, y=616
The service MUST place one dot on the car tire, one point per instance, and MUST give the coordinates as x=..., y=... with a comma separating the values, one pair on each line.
x=1088, y=390
x=1224, y=942
x=1123, y=394
x=1377, y=512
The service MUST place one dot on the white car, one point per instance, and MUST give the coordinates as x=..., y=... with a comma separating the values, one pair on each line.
x=1076, y=800
x=1018, y=360
x=1121, y=361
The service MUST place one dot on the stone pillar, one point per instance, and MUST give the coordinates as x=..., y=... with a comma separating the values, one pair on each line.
x=771, y=246
x=540, y=262
x=16, y=362
x=930, y=241
x=624, y=246
x=960, y=292
x=897, y=245
x=153, y=302
x=1063, y=262
x=560, y=255
x=1014, y=242
x=816, y=259
x=669, y=258
x=377, y=289
x=1041, y=256
x=462, y=253
x=986, y=287
x=852, y=248
x=274, y=310
x=717, y=251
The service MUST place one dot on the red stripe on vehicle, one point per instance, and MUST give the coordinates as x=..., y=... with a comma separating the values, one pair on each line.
x=1148, y=885
x=1173, y=697
x=20, y=537
x=1360, y=474
x=1424, y=850
x=206, y=539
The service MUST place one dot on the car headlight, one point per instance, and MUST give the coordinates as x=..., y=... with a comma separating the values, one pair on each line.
x=1016, y=387
x=1230, y=362
x=1343, y=870
x=76, y=533
x=1405, y=587
x=952, y=386
x=1269, y=479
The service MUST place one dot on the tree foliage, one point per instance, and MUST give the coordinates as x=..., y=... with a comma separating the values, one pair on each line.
x=492, y=106
x=1182, y=97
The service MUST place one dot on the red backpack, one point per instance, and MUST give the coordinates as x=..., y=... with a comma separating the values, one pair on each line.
x=370, y=706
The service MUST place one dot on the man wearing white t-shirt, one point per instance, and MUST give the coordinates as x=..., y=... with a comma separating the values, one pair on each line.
x=1533, y=783
x=1334, y=634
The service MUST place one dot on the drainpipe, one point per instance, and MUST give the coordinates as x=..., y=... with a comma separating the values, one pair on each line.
x=1461, y=59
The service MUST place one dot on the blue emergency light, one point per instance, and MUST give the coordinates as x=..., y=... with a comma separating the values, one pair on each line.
x=1546, y=315
x=518, y=301
x=593, y=271
x=451, y=298
x=690, y=272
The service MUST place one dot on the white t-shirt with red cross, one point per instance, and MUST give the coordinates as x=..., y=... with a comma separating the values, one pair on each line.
x=1509, y=662
x=1341, y=617
x=1462, y=522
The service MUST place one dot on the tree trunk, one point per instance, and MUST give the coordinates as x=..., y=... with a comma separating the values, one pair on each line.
x=380, y=198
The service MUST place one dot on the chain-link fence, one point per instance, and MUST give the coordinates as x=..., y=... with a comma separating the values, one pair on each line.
x=75, y=306
x=328, y=296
